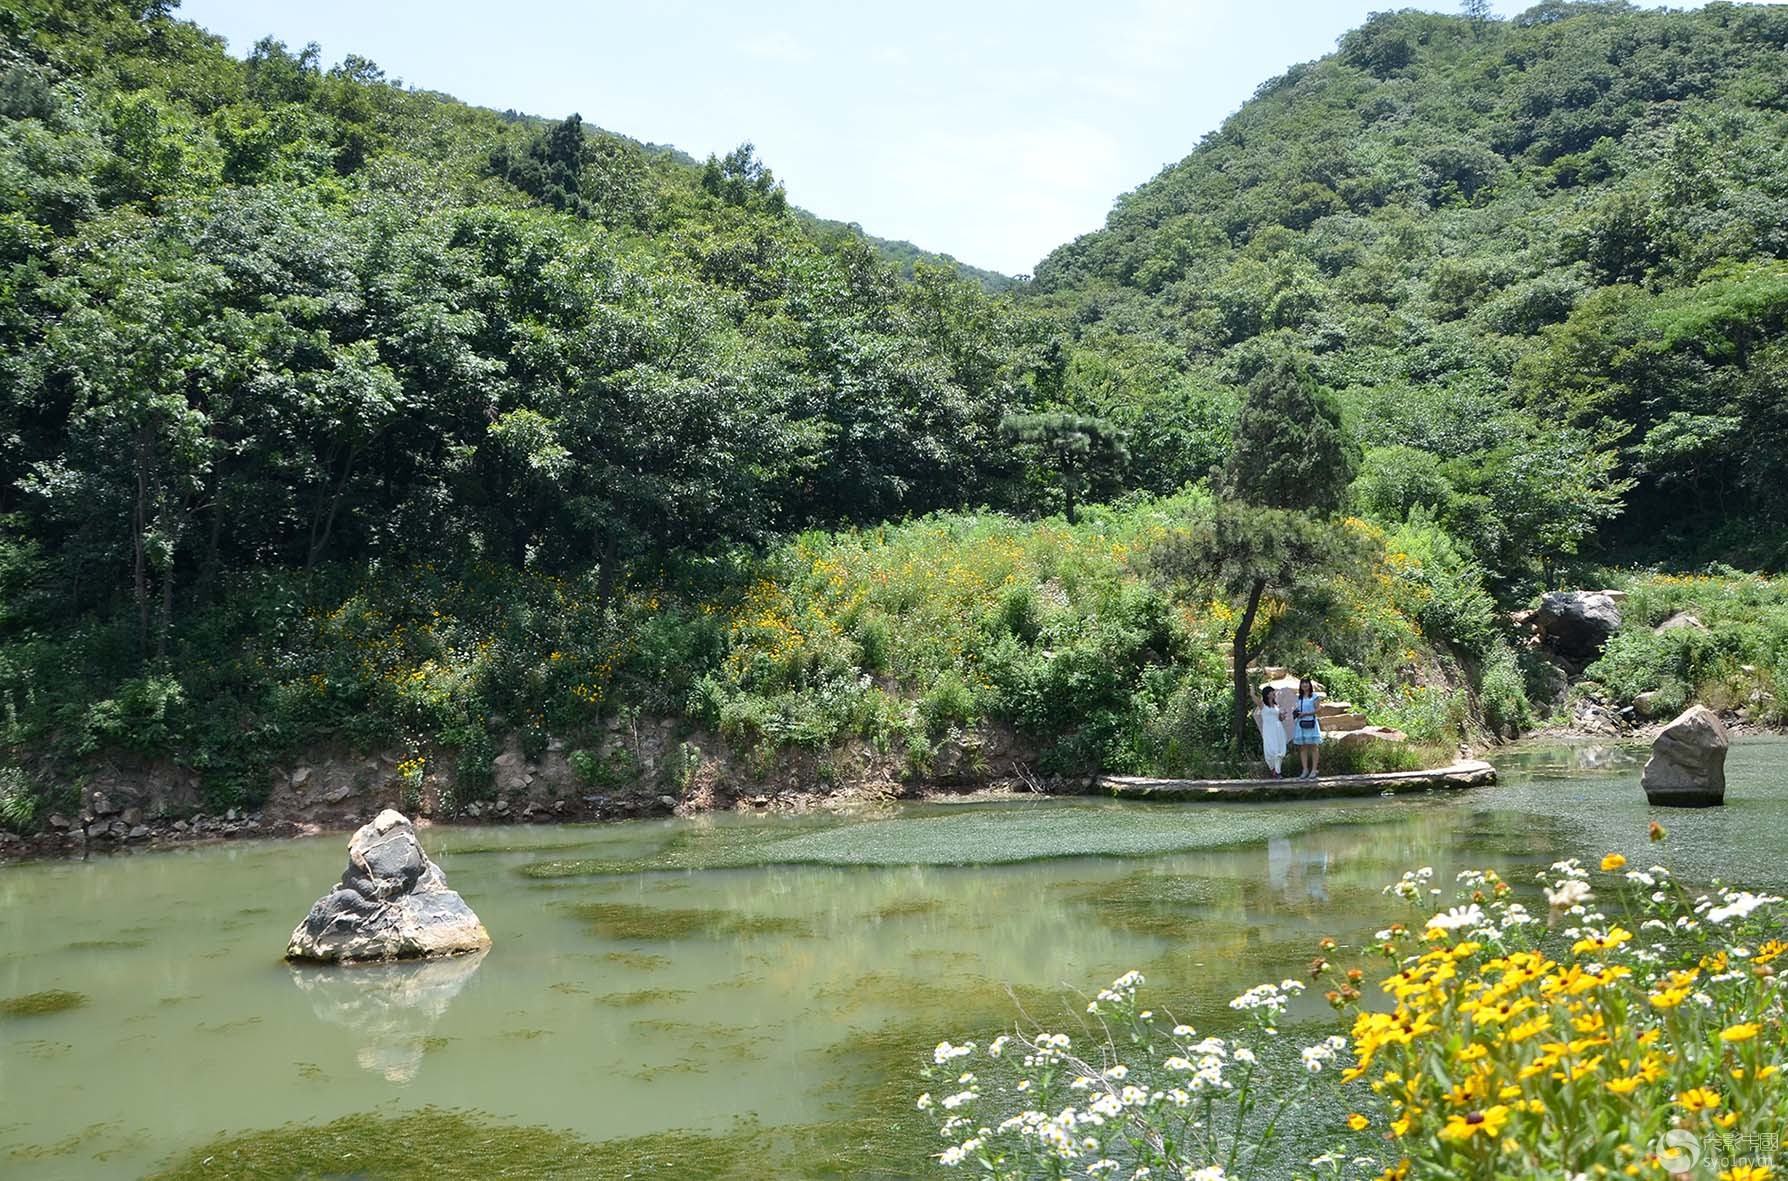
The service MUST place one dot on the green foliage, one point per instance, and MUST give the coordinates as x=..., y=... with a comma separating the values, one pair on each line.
x=1085, y=454
x=337, y=410
x=1502, y=692
x=1735, y=655
x=1481, y=231
x=1289, y=450
x=19, y=800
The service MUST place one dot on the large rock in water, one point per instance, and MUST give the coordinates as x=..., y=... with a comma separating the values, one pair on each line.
x=1687, y=768
x=391, y=904
x=1577, y=623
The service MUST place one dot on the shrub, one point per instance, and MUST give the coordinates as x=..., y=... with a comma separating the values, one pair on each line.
x=948, y=703
x=1502, y=692
x=143, y=715
x=19, y=800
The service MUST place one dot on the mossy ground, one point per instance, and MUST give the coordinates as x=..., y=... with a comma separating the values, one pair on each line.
x=40, y=1004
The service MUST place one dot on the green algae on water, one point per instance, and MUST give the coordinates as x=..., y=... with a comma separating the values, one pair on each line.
x=41, y=1004
x=106, y=944
x=643, y=961
x=644, y=996
x=902, y=908
x=627, y=921
x=435, y=1144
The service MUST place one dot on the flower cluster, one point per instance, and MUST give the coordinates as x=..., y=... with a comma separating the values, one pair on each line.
x=1503, y=1046
x=1173, y=1105
x=1512, y=1049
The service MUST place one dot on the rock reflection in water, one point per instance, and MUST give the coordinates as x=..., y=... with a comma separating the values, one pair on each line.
x=392, y=1007
x=1569, y=760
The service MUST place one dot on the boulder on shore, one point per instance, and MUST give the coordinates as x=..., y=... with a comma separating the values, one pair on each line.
x=1687, y=768
x=1577, y=623
x=391, y=904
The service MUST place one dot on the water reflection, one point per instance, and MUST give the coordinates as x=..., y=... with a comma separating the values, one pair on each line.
x=1297, y=871
x=392, y=1007
x=1562, y=760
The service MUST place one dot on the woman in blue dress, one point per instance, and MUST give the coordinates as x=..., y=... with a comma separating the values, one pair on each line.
x=1306, y=729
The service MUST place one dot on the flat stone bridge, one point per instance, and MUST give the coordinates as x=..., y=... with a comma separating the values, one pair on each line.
x=1463, y=774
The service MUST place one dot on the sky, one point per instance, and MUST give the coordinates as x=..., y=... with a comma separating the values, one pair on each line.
x=988, y=129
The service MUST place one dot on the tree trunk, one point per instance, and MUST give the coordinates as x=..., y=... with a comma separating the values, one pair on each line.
x=167, y=611
x=1244, y=694
x=321, y=525
x=605, y=576
x=139, y=556
x=213, y=545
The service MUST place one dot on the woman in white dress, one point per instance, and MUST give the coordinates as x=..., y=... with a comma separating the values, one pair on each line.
x=1272, y=729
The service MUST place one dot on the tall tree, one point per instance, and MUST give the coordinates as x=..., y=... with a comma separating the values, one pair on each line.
x=1082, y=452
x=1290, y=462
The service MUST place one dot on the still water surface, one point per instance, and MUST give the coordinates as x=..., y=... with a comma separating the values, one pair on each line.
x=683, y=974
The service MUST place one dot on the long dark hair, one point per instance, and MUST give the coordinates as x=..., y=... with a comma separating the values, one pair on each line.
x=1269, y=695
x=1306, y=688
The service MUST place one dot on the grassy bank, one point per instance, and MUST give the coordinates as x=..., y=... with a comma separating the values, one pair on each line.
x=1723, y=641
x=902, y=636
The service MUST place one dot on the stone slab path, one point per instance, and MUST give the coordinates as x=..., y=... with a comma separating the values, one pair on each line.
x=1463, y=774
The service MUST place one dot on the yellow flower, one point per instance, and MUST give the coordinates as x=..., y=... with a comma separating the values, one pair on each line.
x=1616, y=936
x=1739, y=1033
x=1613, y=862
x=1357, y=1122
x=1726, y=1120
x=1624, y=1086
x=1669, y=998
x=1747, y=1173
x=1489, y=1122
x=1699, y=1099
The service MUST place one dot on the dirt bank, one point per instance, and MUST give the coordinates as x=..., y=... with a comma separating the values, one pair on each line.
x=639, y=769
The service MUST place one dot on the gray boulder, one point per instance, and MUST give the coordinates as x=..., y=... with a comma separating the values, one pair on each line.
x=1687, y=768
x=391, y=904
x=1577, y=623
x=1680, y=620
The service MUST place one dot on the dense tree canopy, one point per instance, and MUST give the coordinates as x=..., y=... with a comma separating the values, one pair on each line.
x=267, y=312
x=1483, y=232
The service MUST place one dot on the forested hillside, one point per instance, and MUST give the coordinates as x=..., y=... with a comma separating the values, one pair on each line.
x=1541, y=260
x=338, y=411
x=269, y=313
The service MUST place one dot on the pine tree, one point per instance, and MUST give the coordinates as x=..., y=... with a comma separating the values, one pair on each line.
x=1084, y=452
x=1290, y=462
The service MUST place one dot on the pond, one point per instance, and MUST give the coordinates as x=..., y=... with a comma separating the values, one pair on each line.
x=726, y=995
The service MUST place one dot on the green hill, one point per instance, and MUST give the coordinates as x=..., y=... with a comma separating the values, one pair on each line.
x=1551, y=245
